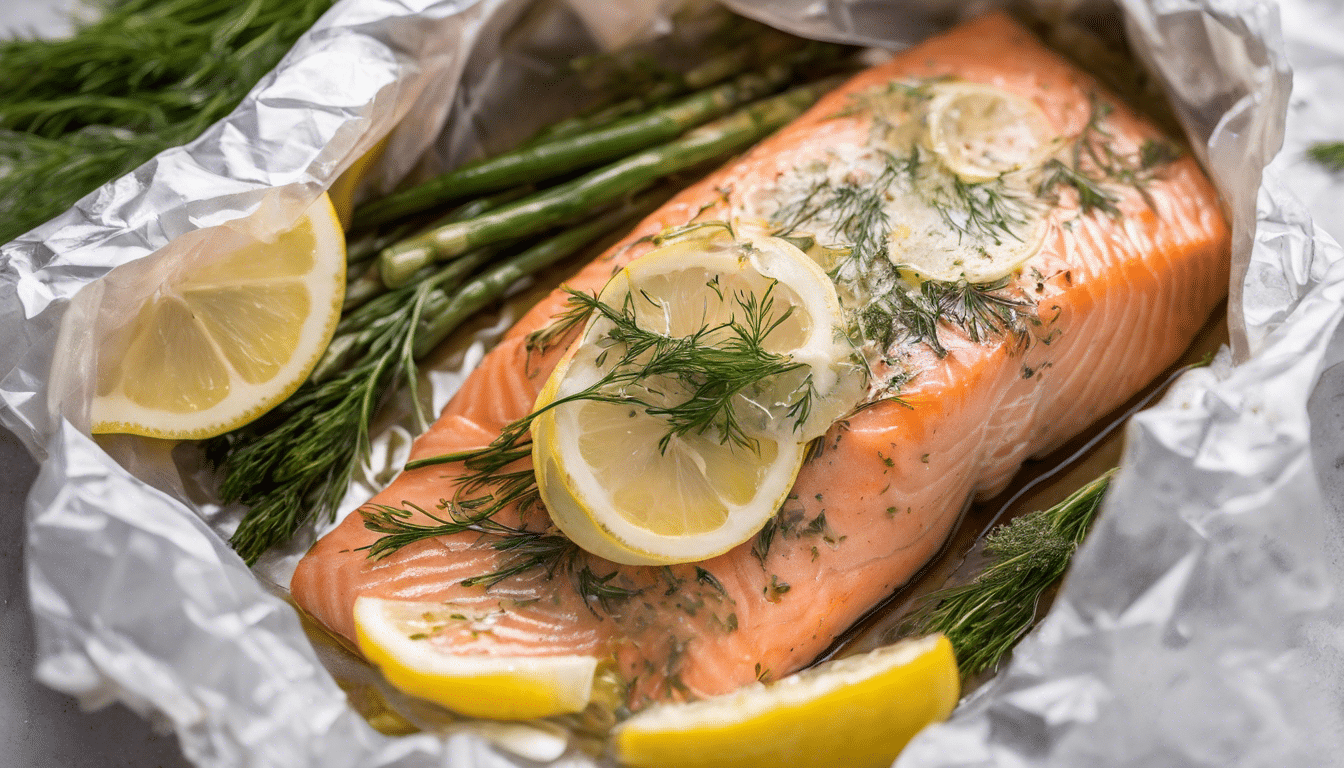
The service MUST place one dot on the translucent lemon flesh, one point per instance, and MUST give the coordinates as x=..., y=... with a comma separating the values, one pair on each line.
x=398, y=637
x=982, y=132
x=852, y=713
x=223, y=341
x=613, y=475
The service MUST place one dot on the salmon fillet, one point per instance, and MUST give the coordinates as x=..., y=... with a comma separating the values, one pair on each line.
x=1116, y=297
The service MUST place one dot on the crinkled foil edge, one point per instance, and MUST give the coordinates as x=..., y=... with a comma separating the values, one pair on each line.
x=1183, y=635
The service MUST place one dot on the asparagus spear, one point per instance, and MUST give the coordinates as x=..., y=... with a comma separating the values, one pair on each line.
x=711, y=72
x=567, y=153
x=548, y=208
x=367, y=283
x=491, y=284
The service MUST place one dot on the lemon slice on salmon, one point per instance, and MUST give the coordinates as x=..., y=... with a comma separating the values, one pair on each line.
x=218, y=344
x=675, y=427
x=982, y=132
x=853, y=712
x=398, y=637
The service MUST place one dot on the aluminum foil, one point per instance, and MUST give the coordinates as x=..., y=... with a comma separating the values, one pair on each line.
x=1200, y=624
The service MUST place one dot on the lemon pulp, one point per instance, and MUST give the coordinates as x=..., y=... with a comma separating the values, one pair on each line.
x=220, y=343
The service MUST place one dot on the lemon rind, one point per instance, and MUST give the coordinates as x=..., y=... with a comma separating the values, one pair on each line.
x=494, y=687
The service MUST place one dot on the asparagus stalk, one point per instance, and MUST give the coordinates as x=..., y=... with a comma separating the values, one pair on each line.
x=368, y=283
x=370, y=244
x=357, y=332
x=491, y=284
x=553, y=206
x=711, y=72
x=568, y=153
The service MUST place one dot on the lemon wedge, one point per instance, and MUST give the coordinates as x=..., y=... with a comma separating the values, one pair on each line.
x=219, y=344
x=853, y=712
x=398, y=636
x=615, y=474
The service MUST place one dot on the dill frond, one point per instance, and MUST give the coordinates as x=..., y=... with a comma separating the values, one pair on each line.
x=981, y=210
x=148, y=75
x=298, y=459
x=574, y=315
x=1095, y=166
x=550, y=552
x=1028, y=556
x=1092, y=193
x=978, y=308
x=1329, y=154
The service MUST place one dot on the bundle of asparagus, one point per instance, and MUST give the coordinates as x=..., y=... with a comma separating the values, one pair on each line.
x=411, y=285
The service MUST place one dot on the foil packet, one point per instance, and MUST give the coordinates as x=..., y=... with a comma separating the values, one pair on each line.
x=1200, y=624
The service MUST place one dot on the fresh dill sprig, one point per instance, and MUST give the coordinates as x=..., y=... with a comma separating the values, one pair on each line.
x=1092, y=192
x=1329, y=154
x=896, y=309
x=983, y=210
x=147, y=75
x=714, y=365
x=298, y=459
x=1095, y=165
x=527, y=550
x=1028, y=555
x=856, y=210
x=978, y=308
x=575, y=314
x=981, y=310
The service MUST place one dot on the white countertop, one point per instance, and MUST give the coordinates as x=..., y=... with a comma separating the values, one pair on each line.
x=40, y=728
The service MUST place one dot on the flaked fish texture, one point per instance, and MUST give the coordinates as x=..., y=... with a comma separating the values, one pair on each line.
x=1019, y=253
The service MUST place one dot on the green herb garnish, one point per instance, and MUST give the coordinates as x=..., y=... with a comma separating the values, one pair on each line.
x=714, y=365
x=527, y=550
x=1028, y=555
x=1329, y=154
x=148, y=75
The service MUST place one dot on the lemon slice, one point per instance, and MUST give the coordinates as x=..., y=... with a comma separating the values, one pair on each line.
x=981, y=132
x=616, y=479
x=979, y=217
x=219, y=344
x=398, y=636
x=853, y=712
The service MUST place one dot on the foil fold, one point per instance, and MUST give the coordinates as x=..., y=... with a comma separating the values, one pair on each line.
x=1200, y=624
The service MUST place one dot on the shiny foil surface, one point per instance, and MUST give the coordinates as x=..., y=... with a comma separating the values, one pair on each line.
x=1201, y=623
